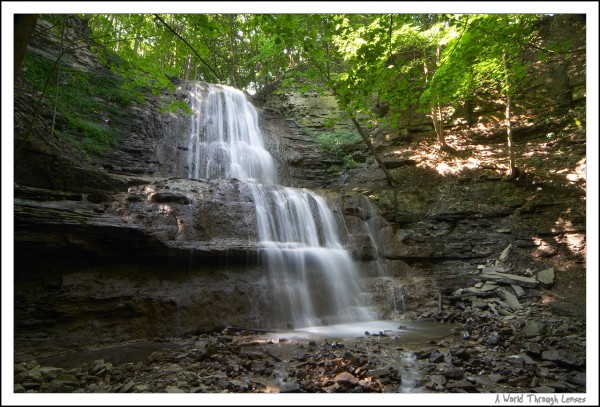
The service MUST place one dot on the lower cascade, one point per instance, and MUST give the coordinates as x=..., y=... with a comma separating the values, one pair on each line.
x=312, y=277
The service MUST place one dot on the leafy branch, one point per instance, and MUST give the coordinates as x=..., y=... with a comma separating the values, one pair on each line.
x=189, y=46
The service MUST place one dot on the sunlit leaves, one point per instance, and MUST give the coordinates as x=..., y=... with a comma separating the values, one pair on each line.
x=474, y=58
x=406, y=61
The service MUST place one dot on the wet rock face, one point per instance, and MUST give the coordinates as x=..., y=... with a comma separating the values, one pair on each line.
x=102, y=305
x=205, y=214
x=154, y=218
x=296, y=153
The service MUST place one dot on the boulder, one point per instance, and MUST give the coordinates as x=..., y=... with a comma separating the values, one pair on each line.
x=173, y=389
x=453, y=372
x=345, y=378
x=543, y=389
x=563, y=357
x=505, y=253
x=546, y=277
x=438, y=379
x=127, y=387
x=511, y=300
x=533, y=327
x=518, y=290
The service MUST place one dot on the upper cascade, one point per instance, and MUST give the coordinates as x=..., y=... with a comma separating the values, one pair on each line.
x=225, y=139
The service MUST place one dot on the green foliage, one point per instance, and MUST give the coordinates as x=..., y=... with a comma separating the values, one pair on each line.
x=87, y=135
x=141, y=78
x=176, y=107
x=242, y=50
x=405, y=62
x=349, y=163
x=475, y=59
x=36, y=69
x=412, y=62
x=339, y=147
x=336, y=145
x=83, y=100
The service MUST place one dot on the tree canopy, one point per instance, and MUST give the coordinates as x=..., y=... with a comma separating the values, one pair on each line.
x=379, y=66
x=401, y=60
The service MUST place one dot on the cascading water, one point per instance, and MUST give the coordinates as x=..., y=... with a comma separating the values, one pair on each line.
x=225, y=139
x=313, y=280
x=394, y=296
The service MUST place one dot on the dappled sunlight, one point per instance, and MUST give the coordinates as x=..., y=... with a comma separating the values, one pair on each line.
x=180, y=225
x=531, y=154
x=455, y=166
x=575, y=242
x=444, y=169
x=544, y=248
x=484, y=151
x=580, y=172
x=572, y=238
x=563, y=224
x=549, y=155
x=148, y=190
x=468, y=156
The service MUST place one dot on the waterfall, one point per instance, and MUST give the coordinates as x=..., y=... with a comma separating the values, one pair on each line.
x=225, y=139
x=371, y=223
x=312, y=277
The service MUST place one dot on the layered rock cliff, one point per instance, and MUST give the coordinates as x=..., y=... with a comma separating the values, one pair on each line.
x=121, y=246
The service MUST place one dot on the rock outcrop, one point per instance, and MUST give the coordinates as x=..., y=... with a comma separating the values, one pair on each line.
x=168, y=256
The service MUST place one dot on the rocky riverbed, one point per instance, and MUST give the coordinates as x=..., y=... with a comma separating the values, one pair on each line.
x=484, y=339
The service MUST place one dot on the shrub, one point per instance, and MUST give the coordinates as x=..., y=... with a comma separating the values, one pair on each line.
x=337, y=145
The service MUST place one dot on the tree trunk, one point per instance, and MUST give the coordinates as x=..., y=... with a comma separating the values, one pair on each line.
x=388, y=175
x=62, y=38
x=136, y=40
x=429, y=66
x=24, y=26
x=436, y=113
x=136, y=35
x=118, y=26
x=437, y=117
x=438, y=107
x=188, y=68
x=512, y=172
x=189, y=46
x=232, y=49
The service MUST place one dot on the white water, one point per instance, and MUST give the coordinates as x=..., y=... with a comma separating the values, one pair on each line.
x=403, y=332
x=312, y=278
x=225, y=139
x=395, y=296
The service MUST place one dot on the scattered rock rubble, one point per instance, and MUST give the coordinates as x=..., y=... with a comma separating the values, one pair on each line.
x=487, y=353
x=504, y=339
